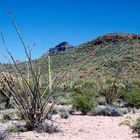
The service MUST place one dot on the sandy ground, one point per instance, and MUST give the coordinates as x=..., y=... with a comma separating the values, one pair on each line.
x=79, y=127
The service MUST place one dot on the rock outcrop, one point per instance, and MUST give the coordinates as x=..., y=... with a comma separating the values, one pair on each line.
x=63, y=46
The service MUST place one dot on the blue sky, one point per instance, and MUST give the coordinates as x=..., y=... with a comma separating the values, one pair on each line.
x=49, y=22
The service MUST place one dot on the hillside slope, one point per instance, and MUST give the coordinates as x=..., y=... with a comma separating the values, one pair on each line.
x=111, y=54
x=114, y=54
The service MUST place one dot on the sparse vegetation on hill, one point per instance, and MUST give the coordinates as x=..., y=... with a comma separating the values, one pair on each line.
x=118, y=55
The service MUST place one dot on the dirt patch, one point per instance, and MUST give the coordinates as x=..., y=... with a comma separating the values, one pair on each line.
x=79, y=127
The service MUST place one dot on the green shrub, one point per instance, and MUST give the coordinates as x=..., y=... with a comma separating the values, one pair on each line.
x=133, y=97
x=7, y=116
x=19, y=115
x=112, y=90
x=83, y=99
x=136, y=127
x=62, y=101
x=85, y=84
x=2, y=99
x=16, y=128
x=11, y=129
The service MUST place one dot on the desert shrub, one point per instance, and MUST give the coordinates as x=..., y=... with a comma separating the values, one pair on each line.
x=2, y=99
x=128, y=85
x=111, y=89
x=83, y=99
x=50, y=127
x=7, y=116
x=128, y=122
x=133, y=97
x=102, y=110
x=16, y=128
x=62, y=101
x=64, y=98
x=19, y=115
x=54, y=111
x=136, y=127
x=107, y=111
x=64, y=113
x=11, y=129
x=85, y=84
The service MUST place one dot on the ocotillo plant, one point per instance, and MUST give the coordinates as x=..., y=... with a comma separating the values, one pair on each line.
x=26, y=93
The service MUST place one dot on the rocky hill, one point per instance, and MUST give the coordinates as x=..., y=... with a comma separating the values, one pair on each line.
x=112, y=54
x=113, y=38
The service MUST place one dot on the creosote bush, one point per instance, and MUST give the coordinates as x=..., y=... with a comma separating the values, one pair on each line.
x=136, y=127
x=111, y=89
x=133, y=97
x=16, y=128
x=84, y=99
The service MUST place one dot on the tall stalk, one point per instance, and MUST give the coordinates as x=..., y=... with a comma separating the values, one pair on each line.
x=49, y=73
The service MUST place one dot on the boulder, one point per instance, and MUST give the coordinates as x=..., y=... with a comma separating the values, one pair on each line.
x=61, y=47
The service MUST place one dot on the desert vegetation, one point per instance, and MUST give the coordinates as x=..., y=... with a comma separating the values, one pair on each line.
x=97, y=78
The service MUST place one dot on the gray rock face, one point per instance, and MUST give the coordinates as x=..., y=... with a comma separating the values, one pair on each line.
x=60, y=48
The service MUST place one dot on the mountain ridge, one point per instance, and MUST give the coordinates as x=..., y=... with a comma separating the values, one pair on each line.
x=107, y=38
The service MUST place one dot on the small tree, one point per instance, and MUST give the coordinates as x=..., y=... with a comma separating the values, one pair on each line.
x=84, y=97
